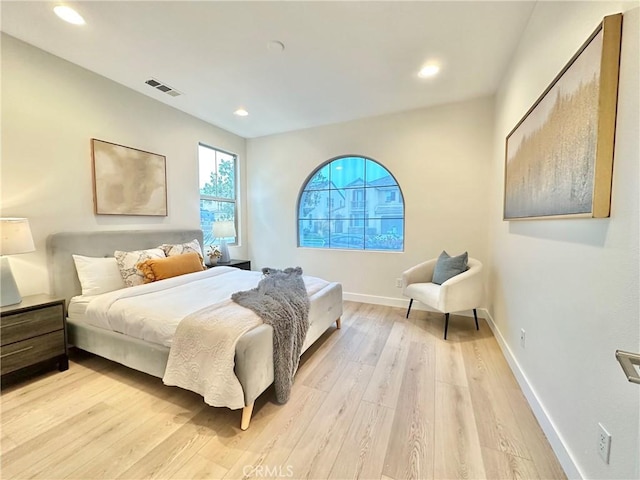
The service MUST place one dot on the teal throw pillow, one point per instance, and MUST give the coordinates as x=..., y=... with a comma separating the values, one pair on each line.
x=448, y=267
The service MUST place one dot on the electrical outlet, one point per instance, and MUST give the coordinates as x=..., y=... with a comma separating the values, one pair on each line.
x=399, y=282
x=604, y=443
x=522, y=337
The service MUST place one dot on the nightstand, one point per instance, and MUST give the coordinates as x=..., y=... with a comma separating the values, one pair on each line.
x=33, y=331
x=234, y=262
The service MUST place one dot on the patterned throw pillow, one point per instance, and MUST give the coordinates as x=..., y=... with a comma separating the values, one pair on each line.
x=180, y=248
x=127, y=262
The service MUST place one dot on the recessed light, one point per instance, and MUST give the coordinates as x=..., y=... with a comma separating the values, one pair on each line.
x=241, y=112
x=428, y=71
x=68, y=14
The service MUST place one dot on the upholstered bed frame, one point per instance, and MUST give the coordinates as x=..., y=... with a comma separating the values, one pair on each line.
x=254, y=351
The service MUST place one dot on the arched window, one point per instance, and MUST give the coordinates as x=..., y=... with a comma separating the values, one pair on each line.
x=351, y=202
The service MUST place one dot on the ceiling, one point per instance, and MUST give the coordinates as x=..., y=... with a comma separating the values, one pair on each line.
x=341, y=61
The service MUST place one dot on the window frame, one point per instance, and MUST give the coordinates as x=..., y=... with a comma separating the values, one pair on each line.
x=349, y=218
x=212, y=198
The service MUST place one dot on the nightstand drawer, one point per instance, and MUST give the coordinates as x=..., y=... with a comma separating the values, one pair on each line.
x=33, y=350
x=30, y=324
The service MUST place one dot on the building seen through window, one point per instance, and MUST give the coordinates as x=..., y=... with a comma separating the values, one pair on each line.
x=351, y=202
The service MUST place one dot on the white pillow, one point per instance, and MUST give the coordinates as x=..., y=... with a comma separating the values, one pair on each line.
x=98, y=275
x=128, y=261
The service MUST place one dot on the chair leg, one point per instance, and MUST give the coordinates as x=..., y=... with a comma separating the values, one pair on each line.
x=409, y=309
x=475, y=315
x=446, y=324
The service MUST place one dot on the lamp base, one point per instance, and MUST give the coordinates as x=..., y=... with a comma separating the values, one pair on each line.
x=225, y=258
x=9, y=294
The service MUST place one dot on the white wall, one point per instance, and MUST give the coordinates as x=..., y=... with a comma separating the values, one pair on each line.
x=572, y=284
x=440, y=157
x=50, y=111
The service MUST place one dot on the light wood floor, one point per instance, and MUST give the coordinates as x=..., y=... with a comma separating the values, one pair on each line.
x=382, y=398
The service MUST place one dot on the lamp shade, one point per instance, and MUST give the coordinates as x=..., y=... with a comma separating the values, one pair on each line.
x=224, y=229
x=15, y=236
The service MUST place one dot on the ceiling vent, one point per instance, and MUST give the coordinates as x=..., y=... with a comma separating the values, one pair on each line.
x=163, y=87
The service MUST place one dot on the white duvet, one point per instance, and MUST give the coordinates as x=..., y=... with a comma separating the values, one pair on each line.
x=153, y=311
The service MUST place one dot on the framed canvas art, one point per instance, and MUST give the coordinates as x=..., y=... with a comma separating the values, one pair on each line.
x=559, y=157
x=128, y=181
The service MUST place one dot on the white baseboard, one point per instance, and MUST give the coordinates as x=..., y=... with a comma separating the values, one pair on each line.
x=400, y=303
x=555, y=439
x=376, y=300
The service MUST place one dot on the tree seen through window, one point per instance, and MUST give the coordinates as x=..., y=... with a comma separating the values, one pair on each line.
x=217, y=191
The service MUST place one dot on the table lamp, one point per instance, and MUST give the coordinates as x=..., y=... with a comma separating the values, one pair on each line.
x=224, y=230
x=15, y=236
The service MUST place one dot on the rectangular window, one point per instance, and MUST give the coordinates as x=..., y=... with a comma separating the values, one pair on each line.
x=218, y=192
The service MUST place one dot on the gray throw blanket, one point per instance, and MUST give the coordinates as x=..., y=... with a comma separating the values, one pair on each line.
x=281, y=300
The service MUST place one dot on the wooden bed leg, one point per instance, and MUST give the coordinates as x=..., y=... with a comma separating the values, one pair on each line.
x=338, y=323
x=246, y=416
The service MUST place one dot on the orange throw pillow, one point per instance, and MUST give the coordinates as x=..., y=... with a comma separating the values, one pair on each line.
x=162, y=268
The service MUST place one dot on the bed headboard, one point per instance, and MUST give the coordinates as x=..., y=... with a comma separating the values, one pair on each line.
x=60, y=246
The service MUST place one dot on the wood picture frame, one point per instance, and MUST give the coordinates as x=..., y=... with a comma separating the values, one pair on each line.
x=559, y=157
x=128, y=181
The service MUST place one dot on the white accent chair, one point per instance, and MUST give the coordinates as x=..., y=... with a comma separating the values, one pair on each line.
x=465, y=291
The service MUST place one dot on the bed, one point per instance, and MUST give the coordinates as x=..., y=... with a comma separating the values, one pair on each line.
x=253, y=362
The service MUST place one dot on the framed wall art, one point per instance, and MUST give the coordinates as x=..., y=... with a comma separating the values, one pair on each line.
x=128, y=181
x=559, y=157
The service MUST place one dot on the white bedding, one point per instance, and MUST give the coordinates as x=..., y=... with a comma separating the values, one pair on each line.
x=78, y=306
x=153, y=311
